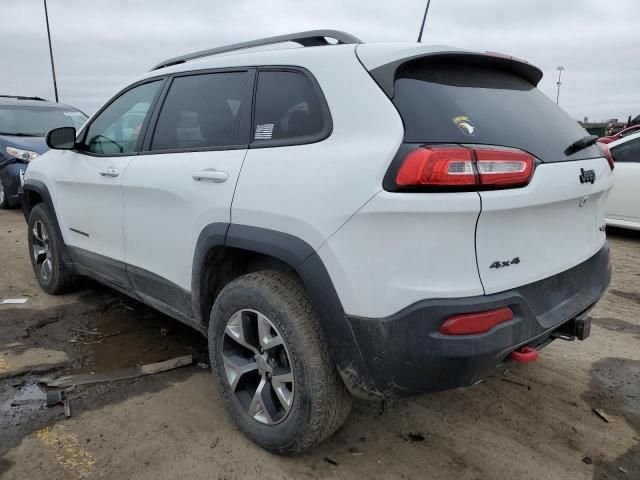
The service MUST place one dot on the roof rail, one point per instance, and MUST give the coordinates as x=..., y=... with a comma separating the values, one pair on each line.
x=311, y=38
x=20, y=97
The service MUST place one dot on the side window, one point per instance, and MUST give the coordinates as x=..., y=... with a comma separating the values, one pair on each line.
x=203, y=111
x=116, y=129
x=627, y=152
x=287, y=107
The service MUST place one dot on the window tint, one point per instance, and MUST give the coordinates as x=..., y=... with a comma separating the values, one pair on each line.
x=443, y=102
x=202, y=111
x=287, y=107
x=117, y=128
x=627, y=152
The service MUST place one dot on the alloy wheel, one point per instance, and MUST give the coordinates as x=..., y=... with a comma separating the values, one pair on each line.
x=1, y=193
x=258, y=366
x=40, y=249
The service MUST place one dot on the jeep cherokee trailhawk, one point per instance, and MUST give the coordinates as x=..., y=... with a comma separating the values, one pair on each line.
x=341, y=219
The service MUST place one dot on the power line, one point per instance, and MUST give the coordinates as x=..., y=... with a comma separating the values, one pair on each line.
x=424, y=19
x=53, y=69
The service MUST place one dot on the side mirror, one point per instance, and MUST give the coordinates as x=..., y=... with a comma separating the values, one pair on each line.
x=63, y=138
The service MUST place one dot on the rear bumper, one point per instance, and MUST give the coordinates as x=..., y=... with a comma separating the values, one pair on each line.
x=405, y=354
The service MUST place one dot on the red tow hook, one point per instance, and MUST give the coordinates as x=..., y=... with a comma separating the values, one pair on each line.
x=524, y=355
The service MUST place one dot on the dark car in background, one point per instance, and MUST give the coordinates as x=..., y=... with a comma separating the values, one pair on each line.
x=24, y=123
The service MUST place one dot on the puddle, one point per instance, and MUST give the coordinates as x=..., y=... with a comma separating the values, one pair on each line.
x=25, y=398
x=615, y=387
x=101, y=332
x=616, y=325
x=129, y=334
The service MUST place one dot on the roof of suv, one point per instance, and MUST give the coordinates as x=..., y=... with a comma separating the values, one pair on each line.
x=314, y=43
x=16, y=100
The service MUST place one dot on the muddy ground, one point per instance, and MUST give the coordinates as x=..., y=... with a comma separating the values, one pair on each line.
x=530, y=422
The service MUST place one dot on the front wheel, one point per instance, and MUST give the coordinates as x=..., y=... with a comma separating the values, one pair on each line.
x=272, y=363
x=45, y=250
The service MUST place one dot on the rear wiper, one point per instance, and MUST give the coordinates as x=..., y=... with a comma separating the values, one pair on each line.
x=581, y=144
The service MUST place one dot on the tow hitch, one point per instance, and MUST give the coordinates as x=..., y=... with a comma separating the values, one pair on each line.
x=579, y=327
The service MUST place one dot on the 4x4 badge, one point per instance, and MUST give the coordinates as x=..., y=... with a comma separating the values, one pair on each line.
x=505, y=263
x=587, y=176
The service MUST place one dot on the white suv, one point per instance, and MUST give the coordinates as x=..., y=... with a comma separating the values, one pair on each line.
x=378, y=220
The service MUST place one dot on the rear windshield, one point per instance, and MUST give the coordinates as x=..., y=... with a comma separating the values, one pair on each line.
x=37, y=121
x=451, y=103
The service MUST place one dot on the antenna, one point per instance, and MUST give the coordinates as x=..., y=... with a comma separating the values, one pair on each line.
x=424, y=19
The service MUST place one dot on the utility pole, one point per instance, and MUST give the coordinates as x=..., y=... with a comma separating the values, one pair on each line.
x=53, y=69
x=424, y=19
x=560, y=70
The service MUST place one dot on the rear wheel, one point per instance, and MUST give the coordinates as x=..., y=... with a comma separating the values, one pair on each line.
x=45, y=249
x=272, y=363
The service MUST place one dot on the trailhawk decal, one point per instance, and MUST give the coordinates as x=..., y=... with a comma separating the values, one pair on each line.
x=464, y=124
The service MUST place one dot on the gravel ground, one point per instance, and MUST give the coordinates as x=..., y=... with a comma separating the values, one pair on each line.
x=530, y=422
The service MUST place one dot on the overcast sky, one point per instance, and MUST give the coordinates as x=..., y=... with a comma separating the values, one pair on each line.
x=99, y=45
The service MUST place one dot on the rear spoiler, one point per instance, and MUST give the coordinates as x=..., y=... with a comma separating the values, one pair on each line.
x=385, y=75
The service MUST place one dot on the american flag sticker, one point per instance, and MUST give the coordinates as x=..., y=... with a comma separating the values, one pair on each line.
x=264, y=131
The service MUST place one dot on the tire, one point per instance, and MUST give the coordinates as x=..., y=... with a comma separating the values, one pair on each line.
x=318, y=401
x=4, y=195
x=45, y=250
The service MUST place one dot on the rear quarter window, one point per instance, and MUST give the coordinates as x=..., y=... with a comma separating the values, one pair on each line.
x=457, y=103
x=289, y=109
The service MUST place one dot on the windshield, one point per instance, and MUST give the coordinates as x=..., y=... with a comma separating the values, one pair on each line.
x=457, y=103
x=37, y=121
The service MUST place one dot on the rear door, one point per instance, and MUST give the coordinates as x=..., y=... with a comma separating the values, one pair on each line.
x=523, y=234
x=184, y=178
x=624, y=199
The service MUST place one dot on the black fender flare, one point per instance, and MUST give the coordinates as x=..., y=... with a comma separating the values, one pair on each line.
x=305, y=261
x=37, y=186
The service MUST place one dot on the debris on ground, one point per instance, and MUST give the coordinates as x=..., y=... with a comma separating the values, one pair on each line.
x=330, y=461
x=203, y=365
x=355, y=452
x=412, y=437
x=84, y=331
x=26, y=403
x=122, y=374
x=14, y=301
x=603, y=415
x=622, y=470
x=587, y=459
x=515, y=382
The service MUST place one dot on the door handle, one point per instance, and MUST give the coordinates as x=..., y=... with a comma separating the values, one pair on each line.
x=212, y=174
x=109, y=172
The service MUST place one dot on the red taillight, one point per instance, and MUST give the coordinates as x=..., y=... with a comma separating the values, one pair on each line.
x=451, y=167
x=606, y=153
x=474, y=323
x=437, y=166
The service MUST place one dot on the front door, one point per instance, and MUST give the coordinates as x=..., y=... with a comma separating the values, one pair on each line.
x=88, y=192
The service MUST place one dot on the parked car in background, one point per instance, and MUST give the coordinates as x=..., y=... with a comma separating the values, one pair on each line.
x=623, y=206
x=24, y=122
x=339, y=219
x=621, y=134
